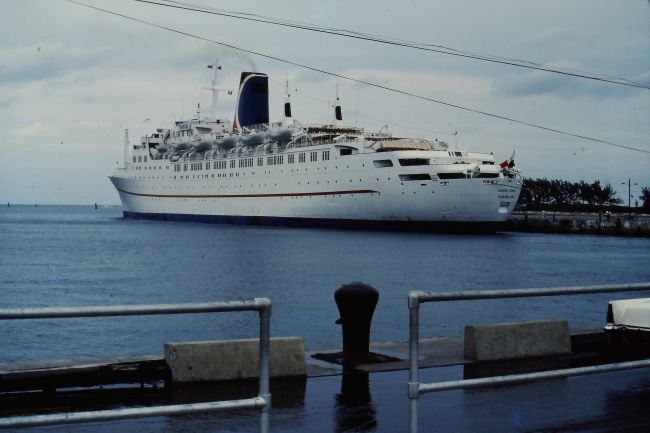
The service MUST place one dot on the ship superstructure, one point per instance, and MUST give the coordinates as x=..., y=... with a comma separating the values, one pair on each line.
x=251, y=171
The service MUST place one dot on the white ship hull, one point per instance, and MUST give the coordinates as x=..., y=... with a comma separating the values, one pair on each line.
x=344, y=191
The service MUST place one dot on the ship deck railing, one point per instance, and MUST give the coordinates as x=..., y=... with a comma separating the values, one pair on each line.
x=415, y=298
x=262, y=401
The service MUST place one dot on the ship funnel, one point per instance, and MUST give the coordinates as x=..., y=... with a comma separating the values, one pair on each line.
x=288, y=120
x=338, y=116
x=253, y=100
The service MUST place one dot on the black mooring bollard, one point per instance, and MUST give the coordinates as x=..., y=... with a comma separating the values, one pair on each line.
x=356, y=303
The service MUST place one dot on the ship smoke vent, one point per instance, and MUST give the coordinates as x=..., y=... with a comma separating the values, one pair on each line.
x=252, y=101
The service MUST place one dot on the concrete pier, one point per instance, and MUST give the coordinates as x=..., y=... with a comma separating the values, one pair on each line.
x=603, y=223
x=232, y=360
x=205, y=361
x=333, y=398
x=517, y=340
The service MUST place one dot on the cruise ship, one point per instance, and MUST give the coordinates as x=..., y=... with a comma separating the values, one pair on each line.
x=252, y=171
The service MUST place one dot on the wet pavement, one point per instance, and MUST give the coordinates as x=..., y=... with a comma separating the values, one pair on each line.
x=377, y=402
x=373, y=398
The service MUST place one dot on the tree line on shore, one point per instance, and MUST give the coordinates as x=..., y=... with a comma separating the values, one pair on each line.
x=539, y=194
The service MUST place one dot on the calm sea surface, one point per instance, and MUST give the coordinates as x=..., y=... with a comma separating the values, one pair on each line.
x=76, y=255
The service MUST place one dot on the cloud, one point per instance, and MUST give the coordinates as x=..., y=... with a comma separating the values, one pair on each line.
x=536, y=83
x=35, y=129
x=548, y=37
x=645, y=77
x=42, y=61
x=6, y=101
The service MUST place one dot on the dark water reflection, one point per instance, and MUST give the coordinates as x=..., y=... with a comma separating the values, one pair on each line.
x=354, y=408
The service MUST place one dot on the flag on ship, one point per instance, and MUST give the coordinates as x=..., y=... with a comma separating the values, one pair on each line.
x=508, y=163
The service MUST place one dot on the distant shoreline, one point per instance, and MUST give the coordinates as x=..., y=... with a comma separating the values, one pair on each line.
x=101, y=205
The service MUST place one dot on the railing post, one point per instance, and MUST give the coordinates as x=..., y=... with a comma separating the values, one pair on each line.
x=261, y=402
x=414, y=342
x=265, y=349
x=415, y=298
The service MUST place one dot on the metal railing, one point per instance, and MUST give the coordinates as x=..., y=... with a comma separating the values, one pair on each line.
x=415, y=298
x=261, y=402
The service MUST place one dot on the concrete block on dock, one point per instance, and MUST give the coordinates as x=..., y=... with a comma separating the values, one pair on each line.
x=517, y=340
x=203, y=361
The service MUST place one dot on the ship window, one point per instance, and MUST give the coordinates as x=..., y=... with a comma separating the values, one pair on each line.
x=260, y=162
x=488, y=175
x=145, y=159
x=345, y=151
x=232, y=164
x=418, y=176
x=301, y=157
x=135, y=159
x=326, y=155
x=313, y=156
x=184, y=167
x=383, y=163
x=504, y=203
x=290, y=159
x=451, y=175
x=458, y=153
x=281, y=159
x=407, y=162
x=139, y=159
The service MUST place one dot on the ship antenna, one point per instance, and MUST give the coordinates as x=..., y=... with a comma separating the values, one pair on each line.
x=126, y=148
x=216, y=68
x=338, y=117
x=288, y=120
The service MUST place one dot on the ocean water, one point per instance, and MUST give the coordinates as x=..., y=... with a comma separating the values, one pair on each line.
x=78, y=255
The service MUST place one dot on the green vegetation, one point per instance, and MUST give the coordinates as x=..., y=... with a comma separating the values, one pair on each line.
x=645, y=197
x=561, y=195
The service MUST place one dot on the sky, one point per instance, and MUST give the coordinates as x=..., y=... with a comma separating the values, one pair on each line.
x=72, y=79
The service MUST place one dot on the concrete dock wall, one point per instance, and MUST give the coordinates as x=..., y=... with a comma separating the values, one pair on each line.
x=517, y=340
x=590, y=223
x=205, y=361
